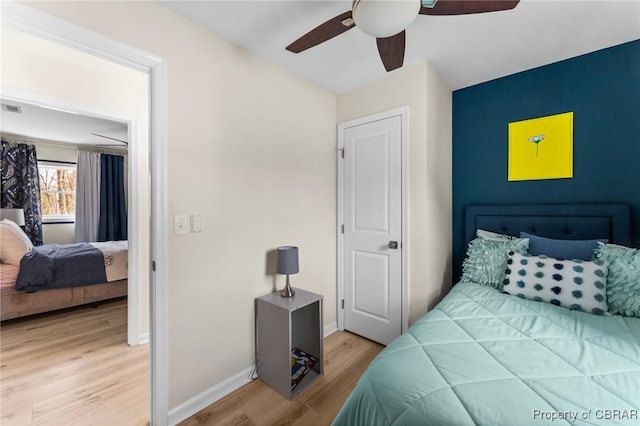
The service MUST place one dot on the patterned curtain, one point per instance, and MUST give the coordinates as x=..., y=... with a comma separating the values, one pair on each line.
x=113, y=210
x=21, y=186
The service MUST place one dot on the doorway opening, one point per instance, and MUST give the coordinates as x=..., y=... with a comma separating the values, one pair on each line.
x=29, y=21
x=61, y=333
x=60, y=136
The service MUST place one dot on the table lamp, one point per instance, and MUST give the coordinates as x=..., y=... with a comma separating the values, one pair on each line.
x=287, y=264
x=14, y=215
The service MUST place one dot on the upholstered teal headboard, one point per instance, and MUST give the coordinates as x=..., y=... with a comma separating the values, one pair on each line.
x=559, y=221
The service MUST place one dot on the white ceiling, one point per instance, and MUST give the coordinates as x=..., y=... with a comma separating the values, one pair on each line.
x=61, y=126
x=465, y=50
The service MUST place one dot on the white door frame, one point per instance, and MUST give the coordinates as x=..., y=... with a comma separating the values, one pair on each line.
x=403, y=112
x=40, y=24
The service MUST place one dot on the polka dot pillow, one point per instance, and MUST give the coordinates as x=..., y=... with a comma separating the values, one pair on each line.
x=574, y=284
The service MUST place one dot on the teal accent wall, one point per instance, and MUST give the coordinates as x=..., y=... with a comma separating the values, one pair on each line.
x=603, y=91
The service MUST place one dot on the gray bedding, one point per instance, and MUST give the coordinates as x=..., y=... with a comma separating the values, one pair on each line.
x=55, y=266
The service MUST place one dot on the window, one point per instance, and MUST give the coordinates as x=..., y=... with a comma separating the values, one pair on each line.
x=57, y=191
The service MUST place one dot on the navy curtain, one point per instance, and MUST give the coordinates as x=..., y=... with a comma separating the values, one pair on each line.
x=112, y=225
x=21, y=186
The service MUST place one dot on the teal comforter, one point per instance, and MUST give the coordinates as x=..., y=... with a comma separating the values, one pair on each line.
x=482, y=357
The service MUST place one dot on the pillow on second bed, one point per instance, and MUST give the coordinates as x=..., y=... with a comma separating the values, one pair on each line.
x=14, y=243
x=574, y=284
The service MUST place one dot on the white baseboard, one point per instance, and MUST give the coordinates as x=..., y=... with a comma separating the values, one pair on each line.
x=208, y=396
x=330, y=329
x=220, y=390
x=143, y=339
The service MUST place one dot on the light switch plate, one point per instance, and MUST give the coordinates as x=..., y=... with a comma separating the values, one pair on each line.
x=180, y=225
x=196, y=223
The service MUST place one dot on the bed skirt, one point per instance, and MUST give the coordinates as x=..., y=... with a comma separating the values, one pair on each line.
x=16, y=304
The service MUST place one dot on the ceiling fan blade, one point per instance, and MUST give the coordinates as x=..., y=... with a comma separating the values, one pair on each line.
x=391, y=50
x=113, y=139
x=323, y=32
x=463, y=7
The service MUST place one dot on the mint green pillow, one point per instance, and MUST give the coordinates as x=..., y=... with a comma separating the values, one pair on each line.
x=487, y=260
x=623, y=281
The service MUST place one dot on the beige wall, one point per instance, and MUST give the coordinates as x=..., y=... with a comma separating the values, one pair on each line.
x=429, y=227
x=251, y=149
x=439, y=228
x=35, y=67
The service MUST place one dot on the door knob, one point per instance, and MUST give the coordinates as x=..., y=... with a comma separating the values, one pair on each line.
x=393, y=245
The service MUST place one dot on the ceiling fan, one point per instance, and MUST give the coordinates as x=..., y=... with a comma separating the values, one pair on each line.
x=386, y=20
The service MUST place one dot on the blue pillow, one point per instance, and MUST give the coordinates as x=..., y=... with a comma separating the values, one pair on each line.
x=561, y=249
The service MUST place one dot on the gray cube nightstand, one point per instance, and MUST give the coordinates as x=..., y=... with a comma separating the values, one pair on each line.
x=283, y=324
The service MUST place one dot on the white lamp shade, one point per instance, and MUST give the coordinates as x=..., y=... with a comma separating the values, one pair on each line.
x=384, y=18
x=14, y=215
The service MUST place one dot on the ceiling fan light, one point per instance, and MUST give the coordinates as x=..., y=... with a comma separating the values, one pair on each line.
x=384, y=18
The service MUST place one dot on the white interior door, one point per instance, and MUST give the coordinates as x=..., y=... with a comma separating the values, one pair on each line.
x=373, y=229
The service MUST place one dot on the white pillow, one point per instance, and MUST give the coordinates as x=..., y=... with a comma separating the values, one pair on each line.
x=14, y=243
x=488, y=235
x=574, y=284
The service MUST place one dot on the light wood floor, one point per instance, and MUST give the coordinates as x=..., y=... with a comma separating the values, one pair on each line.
x=73, y=367
x=346, y=356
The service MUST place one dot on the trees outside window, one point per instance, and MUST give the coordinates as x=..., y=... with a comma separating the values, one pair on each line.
x=57, y=191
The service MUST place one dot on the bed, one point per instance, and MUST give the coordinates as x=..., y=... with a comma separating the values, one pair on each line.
x=40, y=279
x=485, y=357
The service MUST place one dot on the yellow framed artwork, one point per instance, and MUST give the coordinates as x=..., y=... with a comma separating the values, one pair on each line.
x=541, y=148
